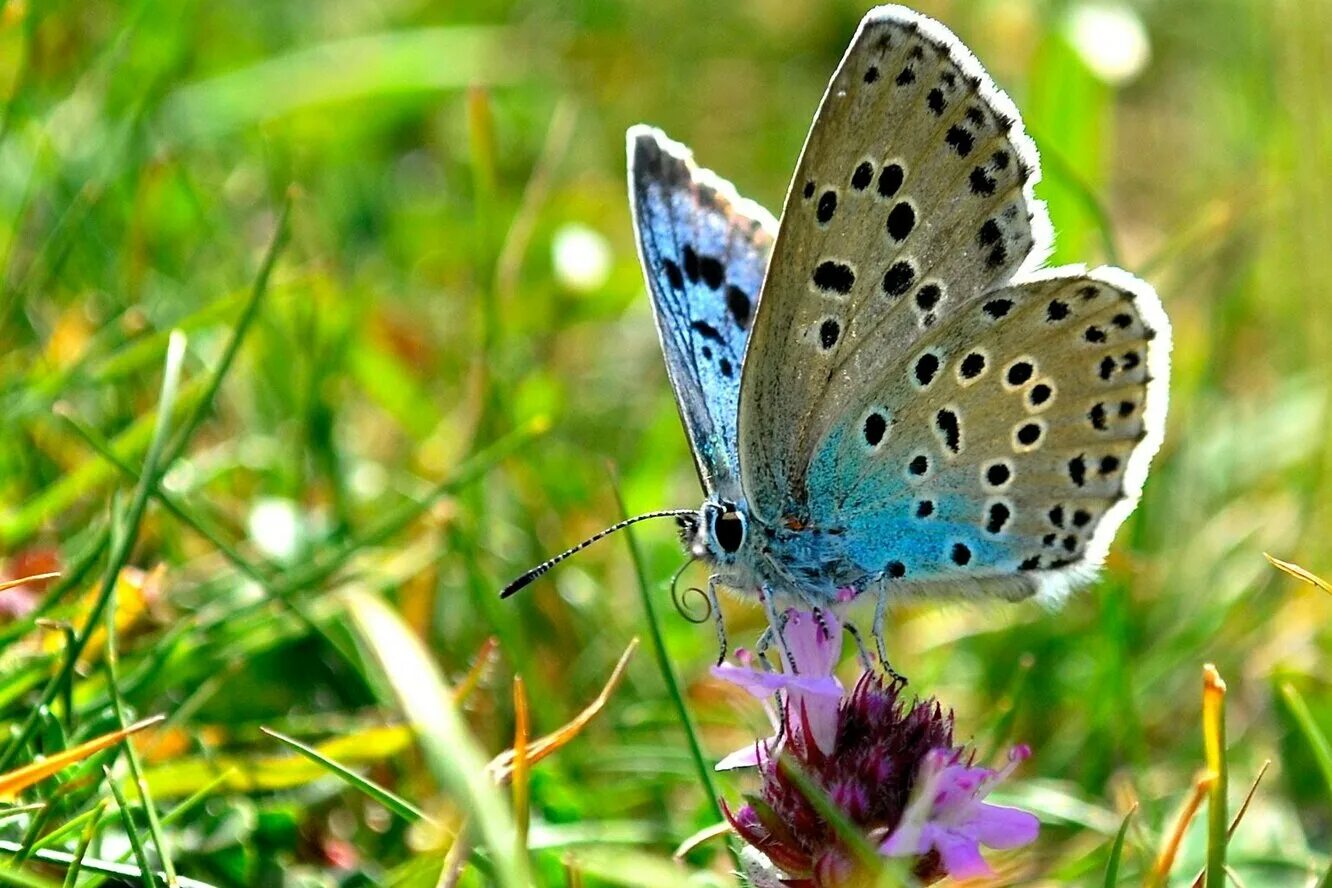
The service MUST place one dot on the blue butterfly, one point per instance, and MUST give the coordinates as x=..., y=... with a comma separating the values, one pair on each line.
x=886, y=394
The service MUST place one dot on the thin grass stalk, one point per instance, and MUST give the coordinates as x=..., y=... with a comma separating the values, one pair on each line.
x=103, y=869
x=1117, y=850
x=395, y=803
x=112, y=661
x=121, y=547
x=449, y=747
x=667, y=669
x=101, y=873
x=397, y=520
x=89, y=833
x=251, y=310
x=1214, y=749
x=131, y=831
x=522, y=799
x=1239, y=816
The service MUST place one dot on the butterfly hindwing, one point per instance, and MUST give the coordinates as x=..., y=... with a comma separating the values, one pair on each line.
x=900, y=290
x=1015, y=445
x=704, y=252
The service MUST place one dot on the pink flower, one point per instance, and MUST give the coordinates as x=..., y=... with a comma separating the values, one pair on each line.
x=888, y=764
x=948, y=814
x=808, y=690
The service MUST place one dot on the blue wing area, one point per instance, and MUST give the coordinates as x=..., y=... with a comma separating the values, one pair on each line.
x=705, y=252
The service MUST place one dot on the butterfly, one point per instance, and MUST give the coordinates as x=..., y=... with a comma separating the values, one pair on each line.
x=886, y=393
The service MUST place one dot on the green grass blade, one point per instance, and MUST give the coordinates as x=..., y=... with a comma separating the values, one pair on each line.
x=19, y=877
x=1117, y=850
x=669, y=676
x=1313, y=735
x=18, y=810
x=121, y=547
x=168, y=819
x=112, y=660
x=136, y=841
x=450, y=749
x=1214, y=745
x=251, y=310
x=76, y=865
x=390, y=800
x=182, y=512
x=105, y=868
x=667, y=669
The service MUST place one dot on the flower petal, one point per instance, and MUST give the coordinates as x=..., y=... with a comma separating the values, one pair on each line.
x=960, y=854
x=814, y=641
x=750, y=756
x=1000, y=827
x=760, y=684
x=819, y=716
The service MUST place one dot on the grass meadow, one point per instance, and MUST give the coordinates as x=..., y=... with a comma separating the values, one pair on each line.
x=321, y=321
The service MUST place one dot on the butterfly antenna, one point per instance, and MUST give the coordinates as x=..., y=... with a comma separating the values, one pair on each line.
x=679, y=599
x=546, y=565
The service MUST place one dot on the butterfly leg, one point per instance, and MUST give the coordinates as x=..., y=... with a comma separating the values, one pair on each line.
x=774, y=632
x=880, y=612
x=717, y=615
x=761, y=648
x=866, y=662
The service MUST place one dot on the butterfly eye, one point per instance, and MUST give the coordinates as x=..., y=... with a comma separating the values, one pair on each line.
x=729, y=530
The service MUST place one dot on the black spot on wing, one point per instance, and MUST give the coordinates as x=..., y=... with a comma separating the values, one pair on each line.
x=898, y=278
x=960, y=140
x=890, y=180
x=712, y=272
x=863, y=176
x=947, y=423
x=875, y=427
x=673, y=274
x=829, y=332
x=827, y=207
x=901, y=220
x=737, y=302
x=691, y=264
x=833, y=276
x=707, y=331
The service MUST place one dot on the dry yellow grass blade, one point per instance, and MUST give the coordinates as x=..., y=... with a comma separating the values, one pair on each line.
x=1214, y=751
x=1165, y=861
x=502, y=765
x=1299, y=573
x=21, y=778
x=485, y=658
x=521, y=731
x=10, y=584
x=702, y=837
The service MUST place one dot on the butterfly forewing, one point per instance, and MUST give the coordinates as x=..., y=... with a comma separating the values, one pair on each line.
x=704, y=252
x=875, y=401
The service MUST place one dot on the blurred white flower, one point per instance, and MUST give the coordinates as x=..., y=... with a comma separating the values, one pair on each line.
x=582, y=258
x=1111, y=40
x=275, y=528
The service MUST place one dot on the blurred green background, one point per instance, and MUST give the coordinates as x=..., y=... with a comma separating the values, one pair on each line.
x=460, y=267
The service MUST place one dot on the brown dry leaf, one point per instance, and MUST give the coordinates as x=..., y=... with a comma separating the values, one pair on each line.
x=501, y=766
